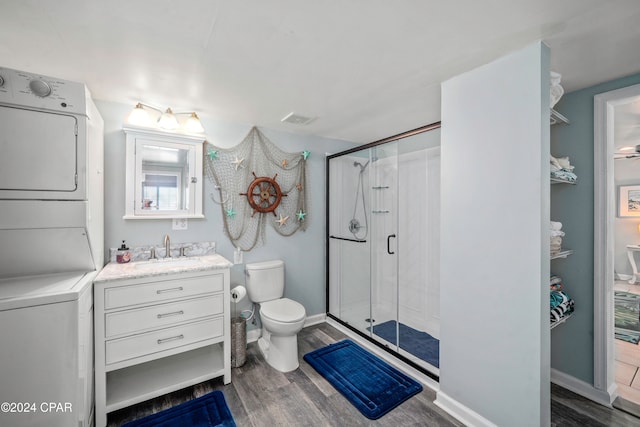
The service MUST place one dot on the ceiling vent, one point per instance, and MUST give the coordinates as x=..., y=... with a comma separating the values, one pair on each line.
x=297, y=119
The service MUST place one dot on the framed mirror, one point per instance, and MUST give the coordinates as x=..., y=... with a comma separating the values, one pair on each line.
x=163, y=174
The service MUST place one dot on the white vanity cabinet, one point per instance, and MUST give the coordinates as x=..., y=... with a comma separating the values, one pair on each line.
x=159, y=333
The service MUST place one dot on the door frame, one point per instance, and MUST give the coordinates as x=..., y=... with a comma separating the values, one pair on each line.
x=604, y=234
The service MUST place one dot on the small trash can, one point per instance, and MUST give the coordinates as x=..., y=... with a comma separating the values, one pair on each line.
x=238, y=341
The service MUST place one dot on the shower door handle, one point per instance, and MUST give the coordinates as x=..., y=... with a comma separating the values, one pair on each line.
x=389, y=243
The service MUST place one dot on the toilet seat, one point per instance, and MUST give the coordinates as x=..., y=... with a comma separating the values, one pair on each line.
x=283, y=310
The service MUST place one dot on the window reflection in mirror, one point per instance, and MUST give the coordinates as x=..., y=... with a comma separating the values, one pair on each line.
x=164, y=175
x=163, y=178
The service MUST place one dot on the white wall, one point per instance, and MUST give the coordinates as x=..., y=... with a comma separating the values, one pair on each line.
x=495, y=212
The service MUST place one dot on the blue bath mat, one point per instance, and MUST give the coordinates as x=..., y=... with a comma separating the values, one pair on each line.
x=371, y=385
x=418, y=343
x=205, y=411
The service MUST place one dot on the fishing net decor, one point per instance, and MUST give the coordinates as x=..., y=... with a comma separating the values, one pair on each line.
x=256, y=183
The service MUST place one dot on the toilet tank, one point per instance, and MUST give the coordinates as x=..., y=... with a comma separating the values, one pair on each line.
x=265, y=280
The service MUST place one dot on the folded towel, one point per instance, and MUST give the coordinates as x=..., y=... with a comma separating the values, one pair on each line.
x=555, y=233
x=555, y=225
x=556, y=298
x=565, y=164
x=556, y=314
x=556, y=240
x=564, y=175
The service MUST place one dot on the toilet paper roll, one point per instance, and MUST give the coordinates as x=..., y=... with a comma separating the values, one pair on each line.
x=238, y=293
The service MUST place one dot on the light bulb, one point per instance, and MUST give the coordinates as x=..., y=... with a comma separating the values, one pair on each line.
x=168, y=121
x=138, y=116
x=193, y=124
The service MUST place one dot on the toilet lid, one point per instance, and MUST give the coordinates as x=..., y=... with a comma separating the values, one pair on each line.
x=283, y=310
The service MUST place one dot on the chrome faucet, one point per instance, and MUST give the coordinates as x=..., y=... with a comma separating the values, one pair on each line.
x=167, y=246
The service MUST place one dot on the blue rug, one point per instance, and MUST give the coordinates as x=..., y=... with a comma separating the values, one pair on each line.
x=418, y=343
x=205, y=411
x=370, y=384
x=627, y=316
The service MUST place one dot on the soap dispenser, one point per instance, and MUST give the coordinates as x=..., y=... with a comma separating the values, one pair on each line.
x=123, y=255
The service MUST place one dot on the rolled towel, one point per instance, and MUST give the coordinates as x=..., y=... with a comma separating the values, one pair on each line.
x=555, y=89
x=554, y=279
x=555, y=225
x=556, y=240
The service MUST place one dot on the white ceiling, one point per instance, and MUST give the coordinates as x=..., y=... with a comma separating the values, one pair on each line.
x=366, y=69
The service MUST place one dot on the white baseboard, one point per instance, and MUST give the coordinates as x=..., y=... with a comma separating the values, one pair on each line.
x=254, y=334
x=583, y=389
x=460, y=412
x=315, y=319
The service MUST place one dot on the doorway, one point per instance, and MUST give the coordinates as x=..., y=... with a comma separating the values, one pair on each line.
x=616, y=362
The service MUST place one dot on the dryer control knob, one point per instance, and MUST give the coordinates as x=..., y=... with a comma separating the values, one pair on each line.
x=40, y=88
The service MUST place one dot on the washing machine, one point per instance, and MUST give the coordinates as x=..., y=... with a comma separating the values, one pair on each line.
x=51, y=248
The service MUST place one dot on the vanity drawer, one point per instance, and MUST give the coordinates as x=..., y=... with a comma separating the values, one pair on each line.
x=153, y=342
x=161, y=315
x=158, y=291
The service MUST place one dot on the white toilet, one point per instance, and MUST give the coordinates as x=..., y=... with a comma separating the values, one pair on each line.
x=281, y=318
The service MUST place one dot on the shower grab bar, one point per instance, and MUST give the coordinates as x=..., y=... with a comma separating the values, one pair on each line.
x=389, y=243
x=349, y=240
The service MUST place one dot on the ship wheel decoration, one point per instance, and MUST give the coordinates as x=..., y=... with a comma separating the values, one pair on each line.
x=264, y=194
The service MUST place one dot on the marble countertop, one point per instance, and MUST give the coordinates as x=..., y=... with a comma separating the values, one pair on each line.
x=161, y=267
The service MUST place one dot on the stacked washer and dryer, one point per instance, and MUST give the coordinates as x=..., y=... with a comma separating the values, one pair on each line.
x=51, y=248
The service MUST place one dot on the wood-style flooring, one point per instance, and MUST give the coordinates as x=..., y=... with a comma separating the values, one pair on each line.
x=261, y=396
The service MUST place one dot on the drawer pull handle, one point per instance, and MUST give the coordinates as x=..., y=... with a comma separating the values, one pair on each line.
x=175, y=313
x=176, y=338
x=163, y=291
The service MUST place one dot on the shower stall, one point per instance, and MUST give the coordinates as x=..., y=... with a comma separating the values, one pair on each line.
x=383, y=244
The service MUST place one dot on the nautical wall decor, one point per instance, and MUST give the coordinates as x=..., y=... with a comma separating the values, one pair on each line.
x=256, y=183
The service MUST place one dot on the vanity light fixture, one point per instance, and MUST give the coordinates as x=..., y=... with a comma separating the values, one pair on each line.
x=167, y=120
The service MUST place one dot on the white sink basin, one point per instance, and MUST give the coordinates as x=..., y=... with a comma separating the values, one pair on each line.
x=168, y=263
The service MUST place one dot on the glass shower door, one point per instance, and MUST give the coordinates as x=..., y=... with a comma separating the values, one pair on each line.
x=383, y=208
x=349, y=239
x=384, y=243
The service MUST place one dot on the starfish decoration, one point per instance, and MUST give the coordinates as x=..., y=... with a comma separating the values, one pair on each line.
x=299, y=187
x=283, y=220
x=301, y=215
x=285, y=163
x=237, y=162
x=306, y=154
x=230, y=213
x=213, y=154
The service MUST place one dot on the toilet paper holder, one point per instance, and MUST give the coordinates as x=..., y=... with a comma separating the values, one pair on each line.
x=238, y=293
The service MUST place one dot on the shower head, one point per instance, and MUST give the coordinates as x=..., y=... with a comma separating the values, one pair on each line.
x=362, y=167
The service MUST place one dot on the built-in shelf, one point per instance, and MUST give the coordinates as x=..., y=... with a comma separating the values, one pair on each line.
x=562, y=254
x=557, y=118
x=564, y=319
x=561, y=181
x=142, y=382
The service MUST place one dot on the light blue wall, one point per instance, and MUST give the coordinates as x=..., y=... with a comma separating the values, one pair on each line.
x=572, y=342
x=303, y=253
